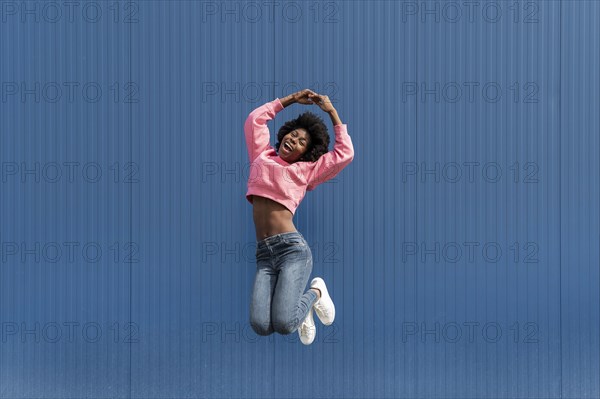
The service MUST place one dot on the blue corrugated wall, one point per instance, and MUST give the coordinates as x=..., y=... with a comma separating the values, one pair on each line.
x=461, y=246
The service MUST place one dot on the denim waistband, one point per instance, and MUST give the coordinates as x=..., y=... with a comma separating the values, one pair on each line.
x=278, y=237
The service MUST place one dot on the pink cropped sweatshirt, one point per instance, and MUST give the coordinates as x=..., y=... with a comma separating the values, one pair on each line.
x=272, y=177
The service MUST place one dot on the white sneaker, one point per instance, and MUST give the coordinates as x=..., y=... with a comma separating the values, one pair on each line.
x=324, y=306
x=307, y=329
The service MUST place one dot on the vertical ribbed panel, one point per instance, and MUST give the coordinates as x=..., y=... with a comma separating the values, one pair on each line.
x=460, y=246
x=64, y=208
x=579, y=200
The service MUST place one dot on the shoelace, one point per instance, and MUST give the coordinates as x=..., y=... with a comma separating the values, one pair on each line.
x=304, y=329
x=319, y=306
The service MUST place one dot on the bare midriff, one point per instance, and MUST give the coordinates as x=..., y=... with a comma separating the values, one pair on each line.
x=271, y=217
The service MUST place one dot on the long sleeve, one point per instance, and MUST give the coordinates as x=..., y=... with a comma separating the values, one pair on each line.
x=330, y=164
x=256, y=130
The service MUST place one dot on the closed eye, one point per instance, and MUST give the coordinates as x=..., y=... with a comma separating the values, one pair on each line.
x=303, y=141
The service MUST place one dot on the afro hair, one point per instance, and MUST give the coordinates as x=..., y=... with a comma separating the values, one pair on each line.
x=319, y=137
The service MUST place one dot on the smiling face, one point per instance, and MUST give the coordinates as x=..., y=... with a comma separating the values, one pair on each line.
x=294, y=145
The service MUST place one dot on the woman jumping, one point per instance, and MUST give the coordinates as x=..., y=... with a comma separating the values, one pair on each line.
x=279, y=178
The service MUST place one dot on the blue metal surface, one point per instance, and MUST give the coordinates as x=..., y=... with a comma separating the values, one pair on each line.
x=460, y=245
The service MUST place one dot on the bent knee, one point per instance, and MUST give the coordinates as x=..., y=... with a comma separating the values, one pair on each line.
x=285, y=327
x=261, y=327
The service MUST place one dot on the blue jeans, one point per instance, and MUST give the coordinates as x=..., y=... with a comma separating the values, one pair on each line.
x=283, y=266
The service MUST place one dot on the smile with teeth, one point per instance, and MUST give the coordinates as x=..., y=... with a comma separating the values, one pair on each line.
x=287, y=146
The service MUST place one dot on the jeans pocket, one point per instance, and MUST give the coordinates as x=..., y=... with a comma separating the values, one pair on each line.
x=294, y=240
x=261, y=254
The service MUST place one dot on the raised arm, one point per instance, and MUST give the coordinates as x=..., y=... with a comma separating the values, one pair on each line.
x=255, y=128
x=331, y=164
